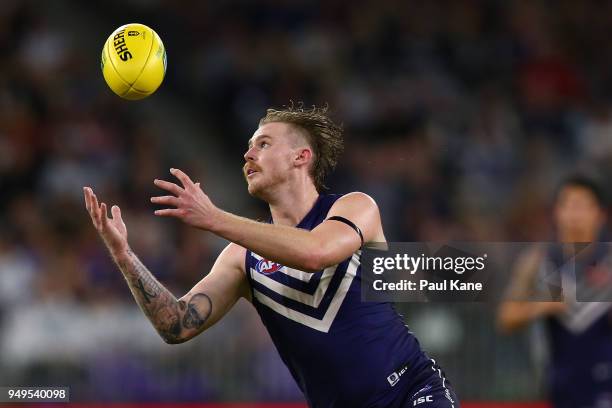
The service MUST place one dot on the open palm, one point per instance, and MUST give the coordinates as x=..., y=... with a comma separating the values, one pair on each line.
x=112, y=230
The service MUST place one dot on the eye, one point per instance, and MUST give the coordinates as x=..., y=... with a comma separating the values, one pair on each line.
x=264, y=144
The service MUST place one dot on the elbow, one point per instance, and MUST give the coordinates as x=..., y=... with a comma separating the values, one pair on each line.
x=311, y=265
x=175, y=335
x=315, y=260
x=174, y=339
x=182, y=337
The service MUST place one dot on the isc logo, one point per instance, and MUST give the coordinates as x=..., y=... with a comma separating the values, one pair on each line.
x=420, y=400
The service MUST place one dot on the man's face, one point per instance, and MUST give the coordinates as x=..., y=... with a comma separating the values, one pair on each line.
x=270, y=157
x=578, y=212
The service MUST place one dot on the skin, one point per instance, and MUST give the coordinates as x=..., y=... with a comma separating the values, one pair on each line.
x=276, y=169
x=578, y=217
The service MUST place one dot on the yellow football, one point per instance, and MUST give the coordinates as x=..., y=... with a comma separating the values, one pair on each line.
x=134, y=61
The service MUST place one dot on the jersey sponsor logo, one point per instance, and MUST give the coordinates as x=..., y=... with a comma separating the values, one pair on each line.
x=420, y=400
x=267, y=267
x=394, y=377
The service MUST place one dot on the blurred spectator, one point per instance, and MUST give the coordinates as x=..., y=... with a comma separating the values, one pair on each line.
x=579, y=331
x=460, y=116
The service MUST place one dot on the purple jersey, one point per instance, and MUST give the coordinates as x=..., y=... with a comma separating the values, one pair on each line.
x=581, y=339
x=342, y=351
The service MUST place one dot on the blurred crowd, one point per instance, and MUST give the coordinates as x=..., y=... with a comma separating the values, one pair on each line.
x=460, y=118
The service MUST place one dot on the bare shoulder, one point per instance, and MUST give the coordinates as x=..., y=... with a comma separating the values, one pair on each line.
x=235, y=250
x=233, y=255
x=361, y=209
x=357, y=198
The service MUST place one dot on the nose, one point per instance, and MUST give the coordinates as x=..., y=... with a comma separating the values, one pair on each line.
x=250, y=154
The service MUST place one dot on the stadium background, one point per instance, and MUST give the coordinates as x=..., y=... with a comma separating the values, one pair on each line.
x=460, y=118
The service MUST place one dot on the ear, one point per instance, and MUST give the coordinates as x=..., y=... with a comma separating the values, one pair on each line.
x=303, y=155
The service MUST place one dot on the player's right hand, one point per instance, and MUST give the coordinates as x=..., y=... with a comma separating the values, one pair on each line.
x=112, y=230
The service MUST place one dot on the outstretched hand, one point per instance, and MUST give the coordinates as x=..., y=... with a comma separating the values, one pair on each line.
x=192, y=205
x=112, y=230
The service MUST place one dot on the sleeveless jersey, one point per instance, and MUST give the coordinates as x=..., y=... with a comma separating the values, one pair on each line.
x=342, y=351
x=581, y=339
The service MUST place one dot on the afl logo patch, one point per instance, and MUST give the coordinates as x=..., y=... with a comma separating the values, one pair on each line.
x=267, y=267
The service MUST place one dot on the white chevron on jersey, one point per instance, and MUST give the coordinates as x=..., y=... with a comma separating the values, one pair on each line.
x=323, y=324
x=311, y=300
x=580, y=315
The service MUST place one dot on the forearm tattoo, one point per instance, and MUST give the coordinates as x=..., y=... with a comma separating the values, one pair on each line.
x=168, y=315
x=146, y=295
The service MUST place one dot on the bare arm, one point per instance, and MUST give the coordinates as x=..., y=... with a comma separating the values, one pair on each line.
x=176, y=320
x=164, y=311
x=514, y=314
x=327, y=244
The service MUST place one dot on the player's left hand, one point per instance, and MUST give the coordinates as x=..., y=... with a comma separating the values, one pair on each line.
x=193, y=206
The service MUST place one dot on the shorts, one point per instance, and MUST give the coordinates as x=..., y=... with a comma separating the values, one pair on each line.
x=433, y=396
x=434, y=392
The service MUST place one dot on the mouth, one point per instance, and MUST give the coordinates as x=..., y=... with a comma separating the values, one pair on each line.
x=250, y=172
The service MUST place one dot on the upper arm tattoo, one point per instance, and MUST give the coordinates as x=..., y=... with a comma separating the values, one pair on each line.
x=199, y=309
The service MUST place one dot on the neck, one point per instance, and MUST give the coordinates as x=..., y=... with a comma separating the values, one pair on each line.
x=289, y=207
x=578, y=236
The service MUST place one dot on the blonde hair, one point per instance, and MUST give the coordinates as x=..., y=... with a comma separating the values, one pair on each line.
x=322, y=134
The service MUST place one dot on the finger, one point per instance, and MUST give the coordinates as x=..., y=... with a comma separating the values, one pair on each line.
x=170, y=212
x=89, y=198
x=116, y=212
x=168, y=186
x=103, y=215
x=166, y=200
x=90, y=207
x=117, y=219
x=96, y=210
x=86, y=196
x=184, y=178
x=94, y=201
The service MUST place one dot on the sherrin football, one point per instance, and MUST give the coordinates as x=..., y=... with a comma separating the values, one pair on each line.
x=134, y=61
